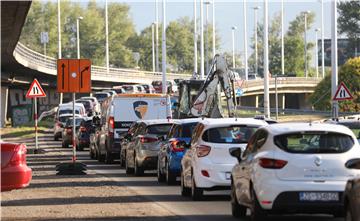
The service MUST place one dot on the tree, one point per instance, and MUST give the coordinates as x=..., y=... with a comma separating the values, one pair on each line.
x=349, y=73
x=349, y=23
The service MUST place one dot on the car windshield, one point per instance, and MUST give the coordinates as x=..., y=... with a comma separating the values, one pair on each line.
x=78, y=121
x=68, y=111
x=187, y=129
x=158, y=129
x=231, y=134
x=314, y=142
x=101, y=95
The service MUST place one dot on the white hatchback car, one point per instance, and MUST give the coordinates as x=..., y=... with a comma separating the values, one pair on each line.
x=207, y=164
x=293, y=168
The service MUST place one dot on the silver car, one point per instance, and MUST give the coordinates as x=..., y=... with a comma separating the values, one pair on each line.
x=142, y=148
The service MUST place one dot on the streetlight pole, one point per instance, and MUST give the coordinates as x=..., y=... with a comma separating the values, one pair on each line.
x=245, y=41
x=73, y=94
x=195, y=40
x=164, y=85
x=157, y=35
x=305, y=43
x=233, y=28
x=334, y=59
x=77, y=36
x=266, y=62
x=153, y=46
x=59, y=40
x=207, y=3
x=316, y=52
x=213, y=31
x=322, y=40
x=255, y=38
x=201, y=39
x=282, y=40
x=107, y=36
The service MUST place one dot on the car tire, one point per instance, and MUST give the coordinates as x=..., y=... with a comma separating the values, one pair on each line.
x=196, y=192
x=108, y=158
x=170, y=176
x=138, y=170
x=160, y=175
x=237, y=210
x=257, y=212
x=185, y=191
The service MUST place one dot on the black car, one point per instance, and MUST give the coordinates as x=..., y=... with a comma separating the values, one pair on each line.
x=352, y=194
x=83, y=134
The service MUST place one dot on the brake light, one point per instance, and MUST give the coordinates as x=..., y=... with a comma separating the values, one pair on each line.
x=175, y=146
x=19, y=156
x=111, y=126
x=148, y=139
x=202, y=150
x=82, y=129
x=269, y=163
x=205, y=173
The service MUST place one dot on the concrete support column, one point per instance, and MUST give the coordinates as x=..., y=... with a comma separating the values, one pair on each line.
x=4, y=105
x=257, y=101
x=283, y=101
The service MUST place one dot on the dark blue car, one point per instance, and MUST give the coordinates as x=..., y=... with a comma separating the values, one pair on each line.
x=173, y=149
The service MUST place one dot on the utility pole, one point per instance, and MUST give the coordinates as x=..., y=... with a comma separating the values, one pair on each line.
x=164, y=85
x=201, y=39
x=107, y=37
x=255, y=38
x=316, y=52
x=213, y=31
x=207, y=3
x=195, y=40
x=334, y=59
x=266, y=62
x=233, y=28
x=153, y=47
x=282, y=40
x=157, y=35
x=322, y=40
x=305, y=43
x=245, y=42
x=59, y=40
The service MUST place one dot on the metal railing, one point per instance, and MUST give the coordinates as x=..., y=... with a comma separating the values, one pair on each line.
x=38, y=60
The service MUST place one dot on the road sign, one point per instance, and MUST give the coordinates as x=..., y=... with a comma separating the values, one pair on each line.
x=239, y=92
x=74, y=76
x=44, y=37
x=342, y=93
x=35, y=90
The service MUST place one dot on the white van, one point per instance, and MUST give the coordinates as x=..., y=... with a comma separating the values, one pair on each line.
x=120, y=111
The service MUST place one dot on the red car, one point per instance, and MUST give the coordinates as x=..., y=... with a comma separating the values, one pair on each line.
x=15, y=174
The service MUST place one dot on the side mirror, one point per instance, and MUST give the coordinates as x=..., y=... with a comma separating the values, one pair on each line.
x=353, y=164
x=236, y=152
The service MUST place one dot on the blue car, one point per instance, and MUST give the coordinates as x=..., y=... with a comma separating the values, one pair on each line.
x=173, y=149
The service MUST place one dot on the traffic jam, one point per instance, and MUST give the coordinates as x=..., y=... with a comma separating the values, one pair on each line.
x=190, y=140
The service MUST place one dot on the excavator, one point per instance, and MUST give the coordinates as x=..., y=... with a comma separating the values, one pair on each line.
x=202, y=98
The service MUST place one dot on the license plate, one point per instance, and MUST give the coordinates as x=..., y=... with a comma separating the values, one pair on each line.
x=228, y=175
x=319, y=196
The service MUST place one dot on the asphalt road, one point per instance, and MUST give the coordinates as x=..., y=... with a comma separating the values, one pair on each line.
x=215, y=205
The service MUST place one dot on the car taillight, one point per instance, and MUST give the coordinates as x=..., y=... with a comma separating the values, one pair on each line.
x=69, y=131
x=19, y=156
x=111, y=126
x=148, y=139
x=202, y=150
x=269, y=163
x=82, y=129
x=175, y=147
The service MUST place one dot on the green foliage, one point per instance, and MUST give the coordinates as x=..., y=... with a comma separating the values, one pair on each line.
x=349, y=73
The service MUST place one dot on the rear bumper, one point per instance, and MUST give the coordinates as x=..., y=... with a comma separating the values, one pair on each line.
x=15, y=177
x=217, y=175
x=147, y=159
x=288, y=202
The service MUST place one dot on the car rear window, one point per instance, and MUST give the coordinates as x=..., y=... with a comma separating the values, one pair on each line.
x=314, y=142
x=231, y=134
x=101, y=95
x=63, y=119
x=160, y=129
x=187, y=129
x=69, y=122
x=68, y=111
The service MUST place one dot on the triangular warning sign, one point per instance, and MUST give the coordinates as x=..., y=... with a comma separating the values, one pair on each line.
x=342, y=93
x=35, y=90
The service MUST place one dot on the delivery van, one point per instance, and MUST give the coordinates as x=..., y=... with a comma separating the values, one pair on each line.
x=120, y=111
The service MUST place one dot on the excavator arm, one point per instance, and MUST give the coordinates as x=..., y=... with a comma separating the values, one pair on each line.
x=208, y=101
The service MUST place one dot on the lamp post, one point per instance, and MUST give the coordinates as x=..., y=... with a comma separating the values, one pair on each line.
x=282, y=40
x=77, y=36
x=59, y=40
x=195, y=41
x=153, y=46
x=157, y=36
x=233, y=28
x=305, y=43
x=316, y=52
x=107, y=37
x=201, y=39
x=245, y=40
x=266, y=61
x=164, y=85
x=213, y=31
x=322, y=40
x=334, y=58
x=207, y=3
x=255, y=38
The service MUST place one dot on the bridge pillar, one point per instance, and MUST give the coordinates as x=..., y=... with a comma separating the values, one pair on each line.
x=257, y=101
x=282, y=101
x=4, y=104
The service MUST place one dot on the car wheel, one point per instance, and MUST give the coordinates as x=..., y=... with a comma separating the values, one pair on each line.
x=160, y=175
x=139, y=171
x=108, y=158
x=257, y=212
x=185, y=191
x=196, y=193
x=128, y=170
x=170, y=177
x=237, y=210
